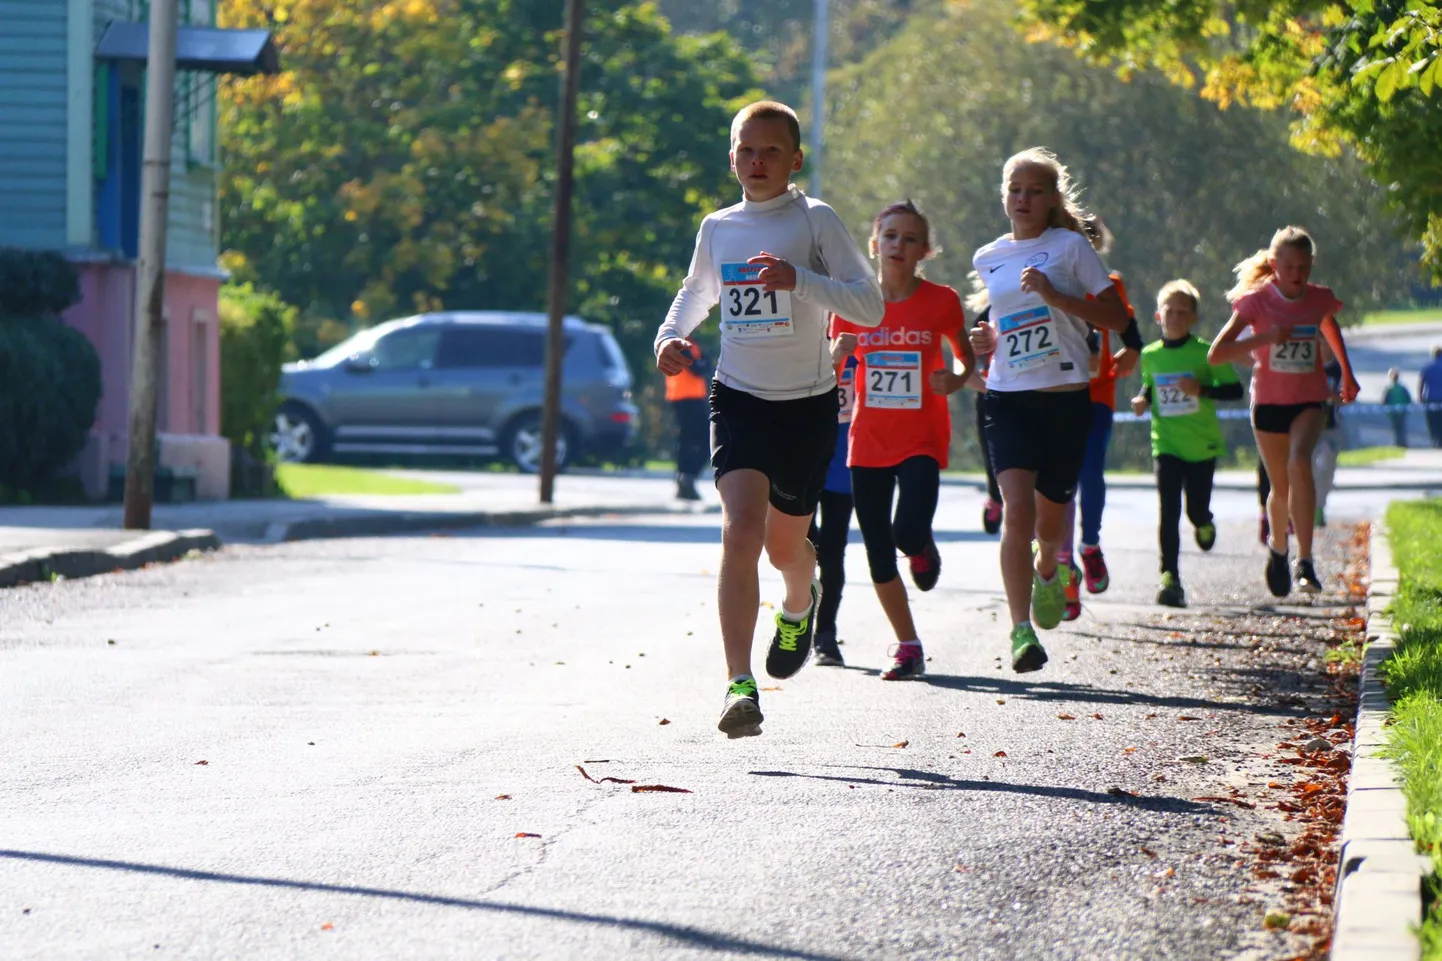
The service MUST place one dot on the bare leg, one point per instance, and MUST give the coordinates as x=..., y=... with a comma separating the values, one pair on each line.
x=1302, y=499
x=744, y=503
x=1274, y=449
x=1018, y=495
x=892, y=596
x=1053, y=521
x=791, y=553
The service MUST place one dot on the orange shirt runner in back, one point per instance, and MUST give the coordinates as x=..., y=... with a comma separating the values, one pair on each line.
x=688, y=385
x=897, y=415
x=1104, y=383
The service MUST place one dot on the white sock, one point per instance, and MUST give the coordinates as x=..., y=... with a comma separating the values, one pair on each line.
x=1021, y=624
x=741, y=677
x=1052, y=579
x=796, y=618
x=912, y=641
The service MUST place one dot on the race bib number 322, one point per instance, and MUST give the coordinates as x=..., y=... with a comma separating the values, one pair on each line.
x=1172, y=401
x=1298, y=353
x=893, y=379
x=749, y=310
x=1027, y=339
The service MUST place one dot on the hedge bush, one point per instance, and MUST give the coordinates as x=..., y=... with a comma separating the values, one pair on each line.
x=49, y=387
x=255, y=339
x=36, y=283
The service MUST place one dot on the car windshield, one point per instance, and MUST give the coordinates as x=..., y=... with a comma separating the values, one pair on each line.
x=357, y=344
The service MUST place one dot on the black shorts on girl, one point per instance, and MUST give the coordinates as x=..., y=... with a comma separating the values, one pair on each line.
x=1041, y=431
x=790, y=441
x=1277, y=418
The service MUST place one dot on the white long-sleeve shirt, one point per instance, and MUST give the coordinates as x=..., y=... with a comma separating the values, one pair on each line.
x=774, y=345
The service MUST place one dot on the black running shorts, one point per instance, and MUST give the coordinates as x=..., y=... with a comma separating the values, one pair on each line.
x=790, y=441
x=1277, y=418
x=1041, y=431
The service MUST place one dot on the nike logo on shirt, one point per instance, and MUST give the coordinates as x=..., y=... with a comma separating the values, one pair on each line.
x=996, y=268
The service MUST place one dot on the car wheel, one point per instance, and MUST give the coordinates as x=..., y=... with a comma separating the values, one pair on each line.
x=523, y=445
x=297, y=435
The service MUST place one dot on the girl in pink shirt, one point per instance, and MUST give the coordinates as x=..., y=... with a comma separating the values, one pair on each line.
x=1287, y=318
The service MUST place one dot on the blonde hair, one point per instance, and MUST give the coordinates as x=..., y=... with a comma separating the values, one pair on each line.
x=1069, y=213
x=980, y=298
x=1179, y=286
x=767, y=110
x=1256, y=270
x=907, y=206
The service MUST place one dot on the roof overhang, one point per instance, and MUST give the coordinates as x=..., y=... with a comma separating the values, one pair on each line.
x=206, y=49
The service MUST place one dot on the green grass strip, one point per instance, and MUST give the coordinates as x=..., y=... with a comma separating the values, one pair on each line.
x=325, y=480
x=1362, y=456
x=1380, y=318
x=1414, y=682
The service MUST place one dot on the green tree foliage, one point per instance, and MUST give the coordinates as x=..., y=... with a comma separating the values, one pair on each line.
x=1187, y=189
x=1360, y=72
x=404, y=159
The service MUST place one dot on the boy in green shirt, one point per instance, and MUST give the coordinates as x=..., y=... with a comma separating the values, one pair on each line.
x=1181, y=388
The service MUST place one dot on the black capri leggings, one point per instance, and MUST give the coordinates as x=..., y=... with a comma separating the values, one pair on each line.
x=993, y=489
x=1175, y=476
x=829, y=536
x=918, y=480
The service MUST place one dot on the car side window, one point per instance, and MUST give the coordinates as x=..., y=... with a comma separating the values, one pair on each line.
x=462, y=347
x=411, y=349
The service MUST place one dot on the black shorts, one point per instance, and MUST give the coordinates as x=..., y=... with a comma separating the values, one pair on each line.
x=1041, y=431
x=790, y=441
x=1277, y=418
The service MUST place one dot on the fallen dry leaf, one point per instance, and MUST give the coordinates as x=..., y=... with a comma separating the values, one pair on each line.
x=901, y=744
x=639, y=788
x=526, y=834
x=1097, y=716
x=1001, y=700
x=604, y=780
x=503, y=797
x=1120, y=792
x=1129, y=750
x=665, y=720
x=771, y=688
x=1218, y=799
x=999, y=754
x=1187, y=717
x=1066, y=717
x=961, y=734
x=327, y=926
x=1148, y=852
x=202, y=762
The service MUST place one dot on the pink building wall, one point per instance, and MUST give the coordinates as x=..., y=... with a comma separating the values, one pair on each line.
x=188, y=412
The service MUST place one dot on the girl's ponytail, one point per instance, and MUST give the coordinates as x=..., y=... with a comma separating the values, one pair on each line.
x=1254, y=272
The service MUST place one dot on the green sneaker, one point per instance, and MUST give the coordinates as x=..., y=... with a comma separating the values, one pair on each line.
x=1206, y=536
x=741, y=715
x=1048, y=601
x=1027, y=653
x=1320, y=518
x=1171, y=594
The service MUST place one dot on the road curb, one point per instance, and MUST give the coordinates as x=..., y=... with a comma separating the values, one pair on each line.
x=400, y=522
x=46, y=563
x=1379, y=878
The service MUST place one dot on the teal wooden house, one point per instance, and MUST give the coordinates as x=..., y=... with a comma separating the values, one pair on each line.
x=72, y=94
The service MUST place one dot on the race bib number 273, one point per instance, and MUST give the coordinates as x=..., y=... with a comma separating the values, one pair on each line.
x=1298, y=353
x=749, y=310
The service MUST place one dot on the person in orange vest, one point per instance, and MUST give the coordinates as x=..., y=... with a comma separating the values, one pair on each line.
x=686, y=393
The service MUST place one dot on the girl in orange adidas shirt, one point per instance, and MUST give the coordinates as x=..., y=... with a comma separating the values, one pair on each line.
x=901, y=427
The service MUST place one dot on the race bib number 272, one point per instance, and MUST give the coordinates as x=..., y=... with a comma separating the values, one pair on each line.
x=1027, y=339
x=749, y=310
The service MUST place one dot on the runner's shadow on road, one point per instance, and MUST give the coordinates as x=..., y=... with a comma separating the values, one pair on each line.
x=932, y=781
x=685, y=934
x=1082, y=693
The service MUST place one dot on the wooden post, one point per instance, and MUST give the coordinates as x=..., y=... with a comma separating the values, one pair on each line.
x=560, y=251
x=149, y=331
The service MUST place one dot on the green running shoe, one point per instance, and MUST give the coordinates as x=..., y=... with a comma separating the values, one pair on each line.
x=1207, y=536
x=741, y=716
x=791, y=644
x=1171, y=594
x=1027, y=653
x=1048, y=601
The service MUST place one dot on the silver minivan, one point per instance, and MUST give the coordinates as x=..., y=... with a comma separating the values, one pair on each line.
x=457, y=383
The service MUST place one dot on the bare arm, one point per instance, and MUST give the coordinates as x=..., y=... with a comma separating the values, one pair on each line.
x=1333, y=335
x=1230, y=346
x=1107, y=311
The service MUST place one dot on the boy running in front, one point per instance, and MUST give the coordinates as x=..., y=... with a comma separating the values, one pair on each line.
x=778, y=263
x=1180, y=386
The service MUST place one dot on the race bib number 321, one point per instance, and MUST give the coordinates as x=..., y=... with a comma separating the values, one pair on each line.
x=749, y=310
x=1027, y=339
x=1298, y=353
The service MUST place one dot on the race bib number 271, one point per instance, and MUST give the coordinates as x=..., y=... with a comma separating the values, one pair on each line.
x=749, y=310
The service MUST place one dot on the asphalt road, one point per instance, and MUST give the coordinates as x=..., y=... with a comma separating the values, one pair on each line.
x=332, y=749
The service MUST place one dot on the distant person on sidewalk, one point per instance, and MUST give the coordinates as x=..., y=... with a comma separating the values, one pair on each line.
x=1333, y=439
x=686, y=394
x=1397, y=397
x=1429, y=391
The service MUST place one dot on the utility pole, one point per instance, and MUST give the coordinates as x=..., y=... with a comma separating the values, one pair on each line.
x=149, y=330
x=560, y=250
x=821, y=32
